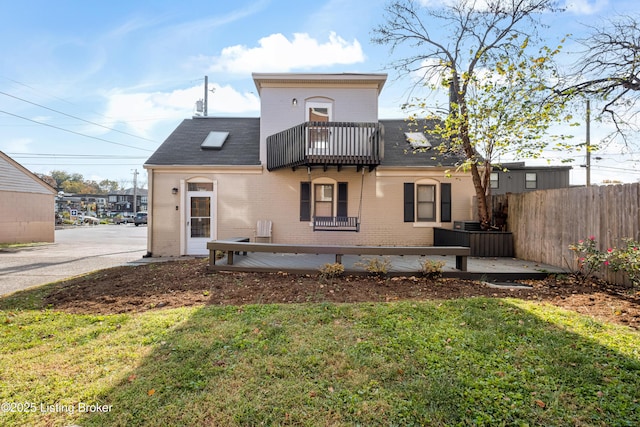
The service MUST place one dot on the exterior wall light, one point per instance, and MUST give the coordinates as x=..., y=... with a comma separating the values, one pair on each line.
x=174, y=190
x=294, y=102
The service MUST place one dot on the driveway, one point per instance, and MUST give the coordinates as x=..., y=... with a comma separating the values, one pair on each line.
x=76, y=251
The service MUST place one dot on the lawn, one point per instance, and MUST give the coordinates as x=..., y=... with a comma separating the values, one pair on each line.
x=468, y=361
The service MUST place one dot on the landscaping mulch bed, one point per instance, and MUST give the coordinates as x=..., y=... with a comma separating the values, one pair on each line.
x=188, y=283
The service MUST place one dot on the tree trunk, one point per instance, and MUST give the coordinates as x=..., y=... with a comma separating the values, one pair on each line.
x=484, y=213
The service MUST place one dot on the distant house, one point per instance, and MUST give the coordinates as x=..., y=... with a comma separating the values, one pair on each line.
x=122, y=201
x=318, y=165
x=518, y=178
x=26, y=205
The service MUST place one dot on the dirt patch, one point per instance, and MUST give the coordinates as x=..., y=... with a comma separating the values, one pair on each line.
x=188, y=283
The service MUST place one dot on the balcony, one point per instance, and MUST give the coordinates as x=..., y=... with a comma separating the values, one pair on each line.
x=327, y=144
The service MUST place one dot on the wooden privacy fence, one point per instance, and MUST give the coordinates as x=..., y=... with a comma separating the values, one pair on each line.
x=544, y=223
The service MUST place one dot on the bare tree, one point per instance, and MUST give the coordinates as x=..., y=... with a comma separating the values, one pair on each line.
x=479, y=53
x=609, y=70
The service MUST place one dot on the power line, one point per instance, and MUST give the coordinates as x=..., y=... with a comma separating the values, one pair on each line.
x=77, y=118
x=74, y=156
x=76, y=133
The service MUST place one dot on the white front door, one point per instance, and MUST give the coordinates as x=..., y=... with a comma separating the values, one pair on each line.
x=201, y=226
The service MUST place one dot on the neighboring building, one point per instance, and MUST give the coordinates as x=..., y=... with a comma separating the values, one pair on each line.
x=519, y=178
x=317, y=163
x=122, y=201
x=26, y=205
x=103, y=205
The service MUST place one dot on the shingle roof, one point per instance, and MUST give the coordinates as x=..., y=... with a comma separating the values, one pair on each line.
x=242, y=146
x=182, y=147
x=398, y=152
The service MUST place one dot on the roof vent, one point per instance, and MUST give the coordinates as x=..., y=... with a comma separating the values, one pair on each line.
x=215, y=140
x=417, y=139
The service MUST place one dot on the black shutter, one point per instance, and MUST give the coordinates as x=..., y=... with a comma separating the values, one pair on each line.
x=445, y=202
x=409, y=204
x=305, y=201
x=342, y=199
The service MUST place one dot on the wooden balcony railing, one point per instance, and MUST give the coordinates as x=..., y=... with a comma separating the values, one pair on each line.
x=326, y=144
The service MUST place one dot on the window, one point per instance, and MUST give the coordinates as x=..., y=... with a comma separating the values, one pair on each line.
x=200, y=186
x=494, y=180
x=531, y=180
x=426, y=202
x=421, y=202
x=325, y=200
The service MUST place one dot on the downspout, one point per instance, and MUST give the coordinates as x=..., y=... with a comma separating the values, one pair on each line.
x=150, y=198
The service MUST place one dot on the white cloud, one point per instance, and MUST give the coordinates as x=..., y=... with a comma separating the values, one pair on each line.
x=276, y=53
x=586, y=7
x=142, y=111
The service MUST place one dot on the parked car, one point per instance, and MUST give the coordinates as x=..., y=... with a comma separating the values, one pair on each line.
x=119, y=219
x=141, y=218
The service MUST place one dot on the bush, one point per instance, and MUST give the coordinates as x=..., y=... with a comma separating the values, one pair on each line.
x=375, y=266
x=590, y=260
x=625, y=260
x=430, y=268
x=329, y=271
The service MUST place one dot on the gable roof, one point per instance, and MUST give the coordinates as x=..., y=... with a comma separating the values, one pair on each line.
x=16, y=177
x=183, y=146
x=398, y=151
x=242, y=146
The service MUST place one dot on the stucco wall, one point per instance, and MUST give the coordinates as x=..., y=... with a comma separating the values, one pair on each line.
x=277, y=112
x=26, y=217
x=245, y=196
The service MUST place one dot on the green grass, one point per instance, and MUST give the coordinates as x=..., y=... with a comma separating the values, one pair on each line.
x=463, y=362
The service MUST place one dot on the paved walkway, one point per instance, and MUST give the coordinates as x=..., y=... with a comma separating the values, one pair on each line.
x=76, y=251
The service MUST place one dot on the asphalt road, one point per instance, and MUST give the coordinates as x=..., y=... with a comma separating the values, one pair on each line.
x=76, y=251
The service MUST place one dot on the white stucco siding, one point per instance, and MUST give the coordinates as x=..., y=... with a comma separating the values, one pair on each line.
x=359, y=104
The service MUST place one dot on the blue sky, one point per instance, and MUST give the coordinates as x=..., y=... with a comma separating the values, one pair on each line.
x=94, y=87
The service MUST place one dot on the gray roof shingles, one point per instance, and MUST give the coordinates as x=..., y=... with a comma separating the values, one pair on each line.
x=242, y=146
x=182, y=147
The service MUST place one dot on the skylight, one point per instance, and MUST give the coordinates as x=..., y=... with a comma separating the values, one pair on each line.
x=417, y=139
x=215, y=140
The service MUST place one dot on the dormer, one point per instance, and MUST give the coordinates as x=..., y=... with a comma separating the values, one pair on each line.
x=319, y=119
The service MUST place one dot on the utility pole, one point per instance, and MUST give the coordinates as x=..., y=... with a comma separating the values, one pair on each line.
x=206, y=96
x=588, y=143
x=135, y=191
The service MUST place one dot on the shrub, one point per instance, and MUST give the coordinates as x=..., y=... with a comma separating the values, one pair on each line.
x=375, y=266
x=589, y=258
x=625, y=260
x=329, y=271
x=431, y=268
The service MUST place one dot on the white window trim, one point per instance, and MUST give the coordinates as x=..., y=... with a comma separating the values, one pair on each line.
x=334, y=207
x=427, y=224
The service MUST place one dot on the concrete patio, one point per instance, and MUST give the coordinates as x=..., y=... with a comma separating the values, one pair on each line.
x=486, y=268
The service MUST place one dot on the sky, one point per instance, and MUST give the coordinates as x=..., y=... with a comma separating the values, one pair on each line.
x=94, y=87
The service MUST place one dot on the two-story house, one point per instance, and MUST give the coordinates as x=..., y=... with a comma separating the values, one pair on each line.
x=318, y=164
x=519, y=178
